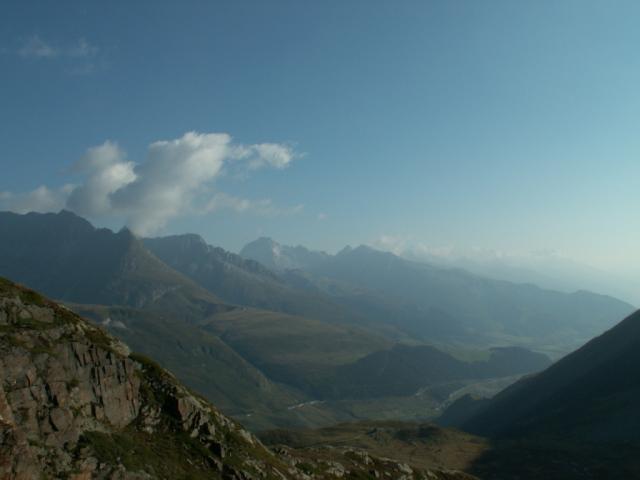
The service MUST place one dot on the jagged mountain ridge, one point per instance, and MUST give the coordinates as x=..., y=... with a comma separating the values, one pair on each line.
x=282, y=257
x=155, y=308
x=255, y=364
x=242, y=281
x=64, y=256
x=115, y=280
x=74, y=403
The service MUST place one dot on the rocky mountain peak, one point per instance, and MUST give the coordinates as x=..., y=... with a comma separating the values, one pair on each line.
x=275, y=256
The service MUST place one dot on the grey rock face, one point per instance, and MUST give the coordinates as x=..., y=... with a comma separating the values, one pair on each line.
x=56, y=384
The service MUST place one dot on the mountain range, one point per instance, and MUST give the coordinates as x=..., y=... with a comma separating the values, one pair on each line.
x=546, y=269
x=314, y=340
x=341, y=337
x=431, y=302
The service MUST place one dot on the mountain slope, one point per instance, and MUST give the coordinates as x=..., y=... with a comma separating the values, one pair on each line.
x=74, y=403
x=154, y=308
x=404, y=370
x=592, y=394
x=293, y=350
x=478, y=303
x=241, y=281
x=431, y=302
x=64, y=256
x=200, y=359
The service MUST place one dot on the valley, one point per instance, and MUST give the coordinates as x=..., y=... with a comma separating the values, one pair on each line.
x=351, y=347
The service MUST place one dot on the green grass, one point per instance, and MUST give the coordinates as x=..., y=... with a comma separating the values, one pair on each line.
x=98, y=337
x=149, y=365
x=421, y=445
x=197, y=357
x=26, y=295
x=162, y=455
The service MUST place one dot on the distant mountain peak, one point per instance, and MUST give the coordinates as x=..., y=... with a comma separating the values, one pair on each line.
x=364, y=250
x=67, y=213
x=184, y=240
x=281, y=257
x=268, y=240
x=367, y=249
x=345, y=250
x=194, y=238
x=66, y=257
x=62, y=215
x=126, y=232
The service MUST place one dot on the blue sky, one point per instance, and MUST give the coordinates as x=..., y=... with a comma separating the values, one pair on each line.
x=502, y=125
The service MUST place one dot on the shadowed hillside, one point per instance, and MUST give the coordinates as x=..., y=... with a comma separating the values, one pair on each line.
x=591, y=394
x=577, y=419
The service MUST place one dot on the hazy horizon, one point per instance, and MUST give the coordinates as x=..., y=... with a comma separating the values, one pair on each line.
x=461, y=130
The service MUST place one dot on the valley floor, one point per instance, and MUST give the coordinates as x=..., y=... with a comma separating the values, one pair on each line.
x=424, y=445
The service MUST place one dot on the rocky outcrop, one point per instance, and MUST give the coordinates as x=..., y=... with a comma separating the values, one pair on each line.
x=74, y=403
x=60, y=377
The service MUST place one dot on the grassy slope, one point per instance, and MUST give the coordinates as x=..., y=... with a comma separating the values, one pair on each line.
x=291, y=349
x=246, y=386
x=200, y=359
x=419, y=444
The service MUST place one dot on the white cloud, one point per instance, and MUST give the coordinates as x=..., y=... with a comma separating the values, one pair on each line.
x=42, y=199
x=168, y=181
x=106, y=171
x=82, y=49
x=263, y=155
x=391, y=243
x=36, y=47
x=263, y=207
x=271, y=155
x=408, y=247
x=322, y=216
x=77, y=58
x=176, y=178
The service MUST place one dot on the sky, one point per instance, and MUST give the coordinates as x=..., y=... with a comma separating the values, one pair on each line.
x=503, y=126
